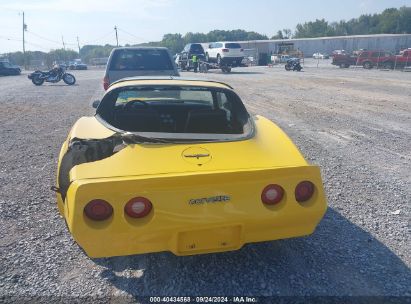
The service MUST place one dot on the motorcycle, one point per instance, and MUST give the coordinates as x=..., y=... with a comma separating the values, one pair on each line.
x=53, y=76
x=293, y=64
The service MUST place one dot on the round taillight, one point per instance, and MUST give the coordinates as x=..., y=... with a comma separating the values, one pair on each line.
x=138, y=207
x=272, y=194
x=304, y=191
x=98, y=210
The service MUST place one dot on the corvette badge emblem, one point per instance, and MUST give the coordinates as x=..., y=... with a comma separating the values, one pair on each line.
x=212, y=199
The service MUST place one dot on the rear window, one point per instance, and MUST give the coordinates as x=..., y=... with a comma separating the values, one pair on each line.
x=141, y=60
x=197, y=48
x=177, y=110
x=233, y=45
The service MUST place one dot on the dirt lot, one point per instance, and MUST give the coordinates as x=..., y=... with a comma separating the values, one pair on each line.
x=354, y=123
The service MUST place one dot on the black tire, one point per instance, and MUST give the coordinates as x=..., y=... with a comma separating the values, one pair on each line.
x=388, y=65
x=203, y=68
x=298, y=68
x=343, y=65
x=226, y=69
x=37, y=81
x=287, y=67
x=367, y=65
x=69, y=79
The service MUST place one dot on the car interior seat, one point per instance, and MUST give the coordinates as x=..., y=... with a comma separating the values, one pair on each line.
x=207, y=121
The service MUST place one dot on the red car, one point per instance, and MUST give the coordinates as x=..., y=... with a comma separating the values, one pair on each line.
x=368, y=59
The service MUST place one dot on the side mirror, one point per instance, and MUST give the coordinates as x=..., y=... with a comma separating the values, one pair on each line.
x=95, y=104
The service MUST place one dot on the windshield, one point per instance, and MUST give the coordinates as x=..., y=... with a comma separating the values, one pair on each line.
x=176, y=110
x=141, y=59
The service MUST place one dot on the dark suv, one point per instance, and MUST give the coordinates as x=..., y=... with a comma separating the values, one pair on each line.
x=6, y=68
x=187, y=54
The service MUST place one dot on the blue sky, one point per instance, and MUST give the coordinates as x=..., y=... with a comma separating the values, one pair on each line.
x=147, y=20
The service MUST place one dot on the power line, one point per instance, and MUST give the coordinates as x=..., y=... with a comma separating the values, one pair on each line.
x=47, y=39
x=135, y=36
x=10, y=38
x=37, y=45
x=51, y=40
x=102, y=37
x=128, y=41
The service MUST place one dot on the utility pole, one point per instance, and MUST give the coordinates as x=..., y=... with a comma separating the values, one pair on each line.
x=24, y=44
x=115, y=28
x=64, y=45
x=78, y=44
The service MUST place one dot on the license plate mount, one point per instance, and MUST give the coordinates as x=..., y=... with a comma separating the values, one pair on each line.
x=218, y=239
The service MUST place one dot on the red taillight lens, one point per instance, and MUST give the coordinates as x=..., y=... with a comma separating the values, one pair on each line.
x=106, y=83
x=304, y=191
x=98, y=210
x=272, y=194
x=138, y=207
x=225, y=50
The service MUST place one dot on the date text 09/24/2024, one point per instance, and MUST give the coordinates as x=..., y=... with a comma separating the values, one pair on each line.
x=205, y=299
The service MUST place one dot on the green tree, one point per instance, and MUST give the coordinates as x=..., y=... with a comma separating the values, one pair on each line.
x=279, y=35
x=287, y=33
x=174, y=42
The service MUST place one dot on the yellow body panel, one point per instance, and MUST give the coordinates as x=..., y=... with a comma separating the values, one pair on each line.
x=186, y=229
x=161, y=173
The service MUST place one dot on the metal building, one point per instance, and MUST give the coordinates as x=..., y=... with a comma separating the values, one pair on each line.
x=308, y=46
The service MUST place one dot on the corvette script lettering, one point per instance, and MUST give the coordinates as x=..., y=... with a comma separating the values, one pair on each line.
x=206, y=200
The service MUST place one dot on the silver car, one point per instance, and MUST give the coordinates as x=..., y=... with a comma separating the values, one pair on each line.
x=138, y=61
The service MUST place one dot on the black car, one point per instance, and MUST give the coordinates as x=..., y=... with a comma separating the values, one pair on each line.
x=6, y=68
x=77, y=66
x=193, y=49
x=187, y=54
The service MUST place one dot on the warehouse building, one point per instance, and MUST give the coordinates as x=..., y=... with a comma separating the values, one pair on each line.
x=308, y=46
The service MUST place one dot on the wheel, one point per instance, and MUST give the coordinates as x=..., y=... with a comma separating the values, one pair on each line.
x=37, y=81
x=388, y=65
x=287, y=67
x=218, y=59
x=69, y=79
x=298, y=68
x=226, y=69
x=203, y=67
x=343, y=65
x=367, y=65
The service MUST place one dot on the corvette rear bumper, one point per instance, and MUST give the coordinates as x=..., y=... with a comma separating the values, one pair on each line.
x=201, y=240
x=185, y=229
x=233, y=61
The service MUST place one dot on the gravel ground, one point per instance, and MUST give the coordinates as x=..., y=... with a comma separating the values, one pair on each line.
x=354, y=123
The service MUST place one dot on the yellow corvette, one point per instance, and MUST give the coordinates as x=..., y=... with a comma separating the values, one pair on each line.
x=179, y=165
